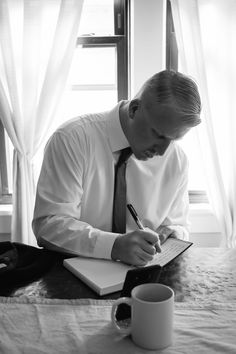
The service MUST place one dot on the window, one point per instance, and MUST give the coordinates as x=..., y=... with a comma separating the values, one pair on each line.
x=98, y=77
x=189, y=143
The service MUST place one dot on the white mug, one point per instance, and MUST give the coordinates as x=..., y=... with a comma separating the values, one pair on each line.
x=152, y=315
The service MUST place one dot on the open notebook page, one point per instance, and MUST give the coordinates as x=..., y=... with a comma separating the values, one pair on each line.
x=169, y=250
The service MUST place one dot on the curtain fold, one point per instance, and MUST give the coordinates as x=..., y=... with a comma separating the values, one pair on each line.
x=206, y=32
x=37, y=41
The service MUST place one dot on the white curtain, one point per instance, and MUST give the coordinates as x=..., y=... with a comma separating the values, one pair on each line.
x=206, y=37
x=37, y=40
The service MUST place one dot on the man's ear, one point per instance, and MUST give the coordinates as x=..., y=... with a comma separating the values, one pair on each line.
x=133, y=106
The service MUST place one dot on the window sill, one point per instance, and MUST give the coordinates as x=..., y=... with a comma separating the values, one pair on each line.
x=5, y=218
x=5, y=209
x=202, y=219
x=197, y=208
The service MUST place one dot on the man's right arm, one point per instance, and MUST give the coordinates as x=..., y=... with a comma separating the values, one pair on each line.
x=56, y=221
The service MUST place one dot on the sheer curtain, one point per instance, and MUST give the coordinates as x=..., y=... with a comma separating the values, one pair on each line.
x=37, y=40
x=206, y=32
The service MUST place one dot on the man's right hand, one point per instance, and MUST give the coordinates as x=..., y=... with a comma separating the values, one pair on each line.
x=137, y=247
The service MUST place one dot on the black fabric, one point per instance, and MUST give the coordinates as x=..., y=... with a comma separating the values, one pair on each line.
x=20, y=263
x=119, y=203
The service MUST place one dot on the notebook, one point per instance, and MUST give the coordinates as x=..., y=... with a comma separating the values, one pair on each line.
x=107, y=276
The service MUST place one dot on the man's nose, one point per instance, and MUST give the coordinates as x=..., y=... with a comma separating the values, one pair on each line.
x=163, y=147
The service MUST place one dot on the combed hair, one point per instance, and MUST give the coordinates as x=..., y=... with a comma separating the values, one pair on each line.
x=171, y=87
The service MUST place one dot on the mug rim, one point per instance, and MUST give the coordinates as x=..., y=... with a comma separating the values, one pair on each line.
x=136, y=288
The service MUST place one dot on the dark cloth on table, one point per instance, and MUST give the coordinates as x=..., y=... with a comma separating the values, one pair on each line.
x=21, y=263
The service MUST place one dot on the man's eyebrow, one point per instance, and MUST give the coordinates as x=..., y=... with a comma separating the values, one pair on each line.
x=162, y=136
x=158, y=134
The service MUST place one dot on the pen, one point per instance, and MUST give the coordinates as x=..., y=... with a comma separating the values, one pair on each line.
x=135, y=216
x=139, y=223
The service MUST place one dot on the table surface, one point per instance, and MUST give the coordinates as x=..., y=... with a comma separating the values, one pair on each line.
x=199, y=274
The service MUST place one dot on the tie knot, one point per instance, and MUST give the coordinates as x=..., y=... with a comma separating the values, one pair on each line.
x=124, y=155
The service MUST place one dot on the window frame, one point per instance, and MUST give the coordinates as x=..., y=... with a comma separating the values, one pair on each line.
x=120, y=40
x=195, y=196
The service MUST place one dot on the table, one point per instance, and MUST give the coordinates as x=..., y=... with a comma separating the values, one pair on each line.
x=59, y=314
x=196, y=275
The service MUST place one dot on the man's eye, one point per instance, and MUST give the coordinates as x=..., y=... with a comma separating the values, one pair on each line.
x=157, y=135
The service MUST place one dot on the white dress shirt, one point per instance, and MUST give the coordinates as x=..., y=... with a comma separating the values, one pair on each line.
x=74, y=201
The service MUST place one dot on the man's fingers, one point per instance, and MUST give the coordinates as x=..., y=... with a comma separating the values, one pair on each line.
x=132, y=247
x=143, y=258
x=152, y=238
x=148, y=248
x=141, y=262
x=158, y=246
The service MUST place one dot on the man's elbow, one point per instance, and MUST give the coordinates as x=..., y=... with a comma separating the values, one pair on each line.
x=37, y=227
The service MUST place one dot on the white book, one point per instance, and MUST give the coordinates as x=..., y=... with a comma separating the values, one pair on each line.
x=107, y=276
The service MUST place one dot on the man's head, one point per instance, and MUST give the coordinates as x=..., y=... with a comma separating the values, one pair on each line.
x=165, y=108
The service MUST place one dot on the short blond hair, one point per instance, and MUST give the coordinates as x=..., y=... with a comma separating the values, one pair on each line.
x=172, y=87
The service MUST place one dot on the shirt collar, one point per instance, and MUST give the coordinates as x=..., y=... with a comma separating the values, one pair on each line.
x=116, y=136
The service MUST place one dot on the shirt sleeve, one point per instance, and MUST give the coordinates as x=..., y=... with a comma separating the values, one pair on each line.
x=177, y=218
x=57, y=220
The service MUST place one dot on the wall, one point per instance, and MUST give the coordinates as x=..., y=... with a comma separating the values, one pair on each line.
x=147, y=40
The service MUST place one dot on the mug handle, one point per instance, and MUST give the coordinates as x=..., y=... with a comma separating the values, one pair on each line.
x=122, y=300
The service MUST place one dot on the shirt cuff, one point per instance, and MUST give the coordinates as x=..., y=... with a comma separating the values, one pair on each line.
x=180, y=231
x=104, y=244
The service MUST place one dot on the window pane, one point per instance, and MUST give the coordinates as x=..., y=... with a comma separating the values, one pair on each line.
x=92, y=84
x=80, y=102
x=189, y=144
x=97, y=18
x=95, y=66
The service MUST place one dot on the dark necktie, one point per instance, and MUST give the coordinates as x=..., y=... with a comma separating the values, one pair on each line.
x=119, y=203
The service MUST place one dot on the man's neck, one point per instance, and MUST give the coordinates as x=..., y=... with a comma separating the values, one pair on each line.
x=124, y=117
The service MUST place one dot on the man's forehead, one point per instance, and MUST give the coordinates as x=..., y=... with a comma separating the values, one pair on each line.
x=167, y=114
x=167, y=120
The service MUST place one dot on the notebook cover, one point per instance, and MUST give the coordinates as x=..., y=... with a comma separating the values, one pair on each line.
x=103, y=276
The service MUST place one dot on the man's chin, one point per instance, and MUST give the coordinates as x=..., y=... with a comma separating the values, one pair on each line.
x=145, y=157
x=142, y=157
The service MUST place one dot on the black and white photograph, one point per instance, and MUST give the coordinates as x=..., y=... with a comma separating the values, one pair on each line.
x=117, y=176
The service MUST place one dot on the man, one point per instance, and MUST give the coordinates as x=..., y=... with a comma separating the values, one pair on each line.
x=74, y=201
